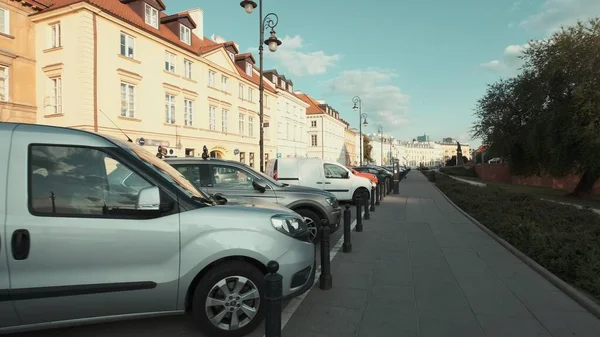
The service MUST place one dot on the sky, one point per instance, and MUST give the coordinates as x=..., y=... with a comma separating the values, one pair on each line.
x=419, y=67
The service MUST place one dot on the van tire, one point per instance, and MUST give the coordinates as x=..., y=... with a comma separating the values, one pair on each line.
x=307, y=213
x=360, y=191
x=228, y=269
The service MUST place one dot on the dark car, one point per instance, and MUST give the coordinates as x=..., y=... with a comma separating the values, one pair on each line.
x=383, y=175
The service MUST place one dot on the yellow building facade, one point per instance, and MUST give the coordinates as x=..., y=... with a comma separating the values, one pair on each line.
x=127, y=67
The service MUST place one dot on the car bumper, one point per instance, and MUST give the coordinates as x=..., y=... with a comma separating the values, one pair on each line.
x=308, y=285
x=298, y=266
x=335, y=219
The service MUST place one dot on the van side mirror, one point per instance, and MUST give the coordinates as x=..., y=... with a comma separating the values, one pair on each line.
x=259, y=185
x=346, y=175
x=148, y=199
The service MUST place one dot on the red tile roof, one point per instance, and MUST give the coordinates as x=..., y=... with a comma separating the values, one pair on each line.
x=35, y=4
x=313, y=105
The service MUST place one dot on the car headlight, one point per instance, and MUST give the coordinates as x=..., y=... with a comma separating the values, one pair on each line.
x=332, y=202
x=289, y=225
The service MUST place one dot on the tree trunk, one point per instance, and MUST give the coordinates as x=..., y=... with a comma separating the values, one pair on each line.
x=586, y=184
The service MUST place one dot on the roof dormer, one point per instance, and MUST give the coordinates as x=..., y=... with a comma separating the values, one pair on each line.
x=231, y=49
x=246, y=61
x=181, y=24
x=149, y=10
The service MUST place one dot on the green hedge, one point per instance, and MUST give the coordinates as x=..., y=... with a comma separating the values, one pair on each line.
x=459, y=171
x=563, y=239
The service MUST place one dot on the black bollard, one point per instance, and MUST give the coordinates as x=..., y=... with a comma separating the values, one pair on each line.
x=273, y=294
x=372, y=199
x=325, y=280
x=377, y=194
x=381, y=193
x=347, y=232
x=366, y=204
x=359, y=225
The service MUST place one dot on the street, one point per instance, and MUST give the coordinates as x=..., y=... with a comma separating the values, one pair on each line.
x=152, y=327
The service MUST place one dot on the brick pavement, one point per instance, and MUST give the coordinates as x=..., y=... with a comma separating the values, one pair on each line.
x=420, y=268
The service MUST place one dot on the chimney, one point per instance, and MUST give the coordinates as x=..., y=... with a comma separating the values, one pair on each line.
x=298, y=92
x=198, y=16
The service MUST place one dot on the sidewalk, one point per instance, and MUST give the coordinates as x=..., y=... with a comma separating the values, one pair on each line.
x=420, y=268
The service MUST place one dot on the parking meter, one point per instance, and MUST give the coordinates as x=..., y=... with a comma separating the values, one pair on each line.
x=397, y=177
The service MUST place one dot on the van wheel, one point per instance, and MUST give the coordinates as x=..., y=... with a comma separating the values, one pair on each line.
x=228, y=300
x=360, y=193
x=313, y=221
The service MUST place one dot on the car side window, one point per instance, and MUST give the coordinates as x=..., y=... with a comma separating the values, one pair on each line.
x=80, y=181
x=231, y=177
x=333, y=171
x=190, y=172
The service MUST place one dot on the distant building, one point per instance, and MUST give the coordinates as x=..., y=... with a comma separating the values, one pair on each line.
x=423, y=139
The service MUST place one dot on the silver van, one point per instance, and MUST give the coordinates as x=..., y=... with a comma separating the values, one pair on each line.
x=78, y=245
x=233, y=179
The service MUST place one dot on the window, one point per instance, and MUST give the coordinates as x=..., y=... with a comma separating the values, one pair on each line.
x=187, y=69
x=313, y=140
x=231, y=56
x=279, y=130
x=127, y=45
x=170, y=60
x=288, y=131
x=224, y=120
x=241, y=94
x=266, y=98
x=287, y=107
x=229, y=177
x=60, y=183
x=4, y=83
x=248, y=69
x=250, y=94
x=250, y=126
x=151, y=17
x=199, y=175
x=313, y=124
x=169, y=109
x=127, y=100
x=334, y=171
x=4, y=21
x=267, y=130
x=224, y=83
x=212, y=117
x=185, y=34
x=251, y=161
x=56, y=98
x=241, y=124
x=211, y=78
x=55, y=35
x=188, y=117
x=295, y=132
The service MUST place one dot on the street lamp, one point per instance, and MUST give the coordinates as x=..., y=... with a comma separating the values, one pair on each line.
x=380, y=131
x=390, y=156
x=269, y=21
x=361, y=116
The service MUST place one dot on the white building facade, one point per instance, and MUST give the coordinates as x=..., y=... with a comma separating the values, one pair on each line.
x=290, y=118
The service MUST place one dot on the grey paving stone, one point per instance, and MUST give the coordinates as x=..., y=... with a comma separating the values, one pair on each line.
x=570, y=324
x=505, y=326
x=449, y=323
x=338, y=297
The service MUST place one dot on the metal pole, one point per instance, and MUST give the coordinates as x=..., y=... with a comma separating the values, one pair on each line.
x=261, y=88
x=361, y=138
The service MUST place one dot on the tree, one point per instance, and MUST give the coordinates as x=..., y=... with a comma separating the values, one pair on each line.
x=367, y=147
x=547, y=118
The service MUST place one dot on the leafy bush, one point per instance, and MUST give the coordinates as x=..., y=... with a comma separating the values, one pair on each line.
x=459, y=171
x=563, y=239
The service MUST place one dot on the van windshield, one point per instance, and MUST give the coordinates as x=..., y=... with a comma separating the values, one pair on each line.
x=165, y=170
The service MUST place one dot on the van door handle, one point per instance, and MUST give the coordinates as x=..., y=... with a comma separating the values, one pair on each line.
x=21, y=244
x=327, y=183
x=319, y=182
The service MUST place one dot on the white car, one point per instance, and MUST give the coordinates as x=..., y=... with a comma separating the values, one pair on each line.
x=315, y=172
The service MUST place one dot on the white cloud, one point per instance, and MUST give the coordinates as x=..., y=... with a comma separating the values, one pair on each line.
x=556, y=13
x=293, y=58
x=510, y=61
x=384, y=102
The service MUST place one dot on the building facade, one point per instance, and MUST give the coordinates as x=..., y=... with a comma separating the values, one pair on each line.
x=291, y=117
x=350, y=146
x=131, y=68
x=448, y=148
x=17, y=60
x=326, y=135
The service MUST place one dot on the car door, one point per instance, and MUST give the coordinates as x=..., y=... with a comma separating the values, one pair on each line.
x=236, y=182
x=337, y=181
x=8, y=315
x=86, y=250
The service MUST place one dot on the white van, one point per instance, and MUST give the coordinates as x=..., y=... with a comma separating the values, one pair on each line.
x=315, y=172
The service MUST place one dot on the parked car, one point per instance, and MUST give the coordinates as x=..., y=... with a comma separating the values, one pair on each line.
x=319, y=173
x=382, y=174
x=100, y=229
x=244, y=182
x=370, y=176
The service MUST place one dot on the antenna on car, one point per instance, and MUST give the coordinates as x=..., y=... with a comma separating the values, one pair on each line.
x=123, y=132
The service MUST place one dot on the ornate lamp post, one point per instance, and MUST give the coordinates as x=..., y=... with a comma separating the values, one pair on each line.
x=380, y=131
x=269, y=21
x=361, y=116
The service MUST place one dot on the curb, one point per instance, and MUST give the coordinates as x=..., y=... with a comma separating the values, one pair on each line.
x=575, y=294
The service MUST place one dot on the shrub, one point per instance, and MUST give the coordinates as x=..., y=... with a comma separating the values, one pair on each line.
x=563, y=239
x=459, y=171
